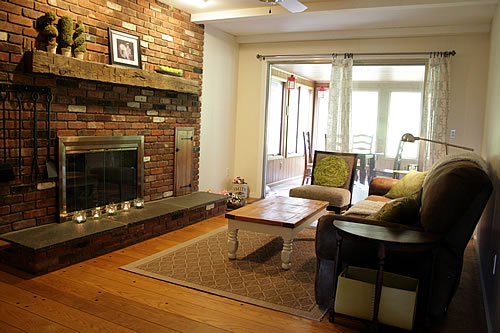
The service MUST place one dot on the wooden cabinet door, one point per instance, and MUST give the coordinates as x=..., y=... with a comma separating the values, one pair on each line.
x=183, y=170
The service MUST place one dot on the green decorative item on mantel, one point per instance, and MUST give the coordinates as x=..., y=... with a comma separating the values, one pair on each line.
x=66, y=35
x=169, y=70
x=79, y=40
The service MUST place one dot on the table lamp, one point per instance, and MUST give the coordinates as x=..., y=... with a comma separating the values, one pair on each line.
x=407, y=137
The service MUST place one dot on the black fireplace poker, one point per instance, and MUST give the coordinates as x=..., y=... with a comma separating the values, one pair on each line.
x=19, y=92
x=6, y=170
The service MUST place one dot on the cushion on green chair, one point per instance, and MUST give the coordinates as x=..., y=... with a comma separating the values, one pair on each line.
x=403, y=210
x=337, y=197
x=409, y=184
x=331, y=171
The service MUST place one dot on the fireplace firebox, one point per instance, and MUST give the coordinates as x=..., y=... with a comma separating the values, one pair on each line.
x=97, y=171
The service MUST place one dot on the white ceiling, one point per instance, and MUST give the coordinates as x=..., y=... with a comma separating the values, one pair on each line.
x=315, y=72
x=210, y=6
x=250, y=20
x=321, y=72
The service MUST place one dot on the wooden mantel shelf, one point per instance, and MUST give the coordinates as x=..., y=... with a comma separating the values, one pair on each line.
x=48, y=63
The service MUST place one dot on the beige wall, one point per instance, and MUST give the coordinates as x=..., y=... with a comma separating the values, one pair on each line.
x=220, y=66
x=469, y=83
x=491, y=138
x=489, y=227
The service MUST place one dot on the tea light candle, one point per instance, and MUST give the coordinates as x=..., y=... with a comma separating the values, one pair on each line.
x=139, y=203
x=126, y=205
x=80, y=216
x=96, y=213
x=111, y=209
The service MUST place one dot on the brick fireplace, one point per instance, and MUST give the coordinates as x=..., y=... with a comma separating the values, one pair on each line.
x=86, y=108
x=98, y=107
x=94, y=99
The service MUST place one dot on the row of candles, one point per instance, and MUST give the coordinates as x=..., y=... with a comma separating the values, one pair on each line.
x=110, y=209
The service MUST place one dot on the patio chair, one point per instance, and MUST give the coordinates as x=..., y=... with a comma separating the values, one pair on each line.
x=308, y=162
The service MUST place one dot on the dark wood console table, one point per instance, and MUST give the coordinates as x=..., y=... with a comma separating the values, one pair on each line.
x=386, y=238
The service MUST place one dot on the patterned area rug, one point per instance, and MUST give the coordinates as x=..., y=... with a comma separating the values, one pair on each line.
x=255, y=277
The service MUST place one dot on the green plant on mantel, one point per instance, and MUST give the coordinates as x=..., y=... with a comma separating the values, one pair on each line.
x=79, y=40
x=66, y=34
x=45, y=24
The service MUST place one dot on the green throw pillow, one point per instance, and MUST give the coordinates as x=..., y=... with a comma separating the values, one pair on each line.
x=403, y=210
x=409, y=184
x=331, y=171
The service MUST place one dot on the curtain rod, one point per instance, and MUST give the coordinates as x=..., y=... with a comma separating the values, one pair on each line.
x=334, y=55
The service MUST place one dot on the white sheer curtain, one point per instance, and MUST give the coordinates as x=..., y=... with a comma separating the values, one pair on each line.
x=435, y=111
x=339, y=106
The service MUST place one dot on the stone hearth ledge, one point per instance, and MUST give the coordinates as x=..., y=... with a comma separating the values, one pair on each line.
x=37, y=61
x=46, y=236
x=52, y=246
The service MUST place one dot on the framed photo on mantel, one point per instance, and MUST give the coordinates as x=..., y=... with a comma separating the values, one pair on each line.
x=124, y=49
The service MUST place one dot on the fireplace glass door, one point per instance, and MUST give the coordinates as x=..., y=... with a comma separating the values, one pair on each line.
x=97, y=171
x=95, y=179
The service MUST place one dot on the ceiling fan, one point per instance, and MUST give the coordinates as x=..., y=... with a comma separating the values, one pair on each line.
x=294, y=6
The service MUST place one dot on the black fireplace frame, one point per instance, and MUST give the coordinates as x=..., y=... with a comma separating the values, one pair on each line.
x=86, y=144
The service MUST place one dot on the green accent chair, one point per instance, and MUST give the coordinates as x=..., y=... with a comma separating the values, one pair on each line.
x=332, y=180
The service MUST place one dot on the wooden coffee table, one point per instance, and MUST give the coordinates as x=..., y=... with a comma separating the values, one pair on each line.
x=282, y=216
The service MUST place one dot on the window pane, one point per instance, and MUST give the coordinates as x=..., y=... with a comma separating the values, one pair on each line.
x=386, y=73
x=305, y=115
x=400, y=88
x=293, y=117
x=275, y=118
x=322, y=120
x=404, y=117
x=364, y=117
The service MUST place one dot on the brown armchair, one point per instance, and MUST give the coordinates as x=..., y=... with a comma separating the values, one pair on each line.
x=454, y=195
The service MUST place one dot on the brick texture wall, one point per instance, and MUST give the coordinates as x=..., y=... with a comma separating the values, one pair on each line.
x=167, y=35
x=88, y=108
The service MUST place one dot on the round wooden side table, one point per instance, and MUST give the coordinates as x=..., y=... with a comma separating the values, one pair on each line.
x=386, y=238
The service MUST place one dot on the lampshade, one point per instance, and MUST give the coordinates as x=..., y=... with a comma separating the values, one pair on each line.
x=321, y=92
x=291, y=82
x=407, y=137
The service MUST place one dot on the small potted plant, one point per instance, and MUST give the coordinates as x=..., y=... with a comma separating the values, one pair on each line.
x=51, y=32
x=66, y=35
x=79, y=41
x=46, y=25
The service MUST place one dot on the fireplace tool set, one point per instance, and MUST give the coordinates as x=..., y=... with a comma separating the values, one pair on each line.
x=25, y=95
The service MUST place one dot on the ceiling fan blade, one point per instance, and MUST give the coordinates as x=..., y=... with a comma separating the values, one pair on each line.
x=293, y=6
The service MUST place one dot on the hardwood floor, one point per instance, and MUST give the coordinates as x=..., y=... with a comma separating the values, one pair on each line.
x=96, y=296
